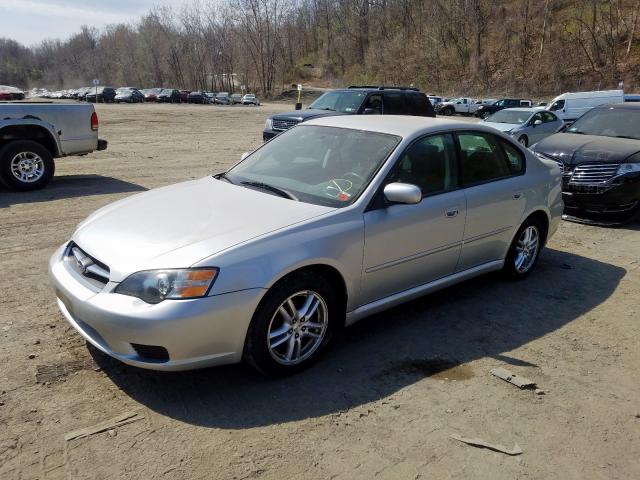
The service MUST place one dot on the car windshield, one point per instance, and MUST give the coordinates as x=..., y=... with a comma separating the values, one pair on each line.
x=123, y=90
x=609, y=122
x=223, y=94
x=340, y=101
x=320, y=165
x=167, y=91
x=509, y=116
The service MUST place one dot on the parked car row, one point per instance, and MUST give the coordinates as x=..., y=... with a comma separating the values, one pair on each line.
x=105, y=94
x=8, y=92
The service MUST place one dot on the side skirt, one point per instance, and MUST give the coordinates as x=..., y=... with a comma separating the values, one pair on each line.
x=416, y=292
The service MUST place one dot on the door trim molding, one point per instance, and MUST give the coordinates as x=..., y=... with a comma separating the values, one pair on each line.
x=409, y=258
x=415, y=292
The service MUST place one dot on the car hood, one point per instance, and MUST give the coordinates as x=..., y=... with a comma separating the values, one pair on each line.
x=503, y=127
x=572, y=149
x=302, y=115
x=179, y=225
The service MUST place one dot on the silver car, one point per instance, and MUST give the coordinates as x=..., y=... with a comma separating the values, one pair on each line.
x=526, y=125
x=331, y=221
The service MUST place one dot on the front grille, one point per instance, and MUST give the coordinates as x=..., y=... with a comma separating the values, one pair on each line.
x=593, y=173
x=284, y=124
x=94, y=271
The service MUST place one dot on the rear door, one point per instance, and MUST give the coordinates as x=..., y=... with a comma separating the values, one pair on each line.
x=410, y=245
x=493, y=181
x=394, y=103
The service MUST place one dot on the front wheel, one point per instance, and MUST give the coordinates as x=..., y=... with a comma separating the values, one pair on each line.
x=25, y=165
x=525, y=250
x=292, y=325
x=484, y=115
x=523, y=140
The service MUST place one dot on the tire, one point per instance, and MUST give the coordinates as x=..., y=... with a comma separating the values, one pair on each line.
x=448, y=111
x=512, y=267
x=268, y=320
x=37, y=162
x=523, y=140
x=484, y=115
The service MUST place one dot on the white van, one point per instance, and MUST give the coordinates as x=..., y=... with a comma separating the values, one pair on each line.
x=571, y=106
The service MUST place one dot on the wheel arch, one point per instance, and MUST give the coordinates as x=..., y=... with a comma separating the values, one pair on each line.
x=29, y=131
x=542, y=217
x=329, y=273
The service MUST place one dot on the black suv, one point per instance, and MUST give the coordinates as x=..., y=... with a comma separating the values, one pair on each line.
x=169, y=95
x=355, y=100
x=485, y=110
x=105, y=95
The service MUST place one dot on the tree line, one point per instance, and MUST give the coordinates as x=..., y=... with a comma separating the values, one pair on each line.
x=481, y=47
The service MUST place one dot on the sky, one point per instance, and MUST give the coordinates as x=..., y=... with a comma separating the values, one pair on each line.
x=31, y=21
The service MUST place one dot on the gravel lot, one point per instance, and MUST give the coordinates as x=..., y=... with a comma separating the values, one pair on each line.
x=385, y=399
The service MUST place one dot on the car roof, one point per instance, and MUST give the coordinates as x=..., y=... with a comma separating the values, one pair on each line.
x=625, y=105
x=404, y=126
x=523, y=109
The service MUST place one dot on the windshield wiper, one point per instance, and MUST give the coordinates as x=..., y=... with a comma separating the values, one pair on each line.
x=222, y=176
x=576, y=131
x=626, y=136
x=327, y=108
x=271, y=188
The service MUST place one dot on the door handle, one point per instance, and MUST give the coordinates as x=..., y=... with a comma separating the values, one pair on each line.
x=451, y=213
x=517, y=195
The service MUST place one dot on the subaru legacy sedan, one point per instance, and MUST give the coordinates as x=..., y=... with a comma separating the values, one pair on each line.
x=334, y=220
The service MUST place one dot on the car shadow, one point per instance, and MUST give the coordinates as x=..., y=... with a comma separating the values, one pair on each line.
x=432, y=336
x=69, y=186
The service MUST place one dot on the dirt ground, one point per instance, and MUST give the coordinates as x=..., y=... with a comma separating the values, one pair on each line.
x=386, y=397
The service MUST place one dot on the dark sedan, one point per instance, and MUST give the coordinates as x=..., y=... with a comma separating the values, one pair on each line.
x=128, y=95
x=198, y=96
x=600, y=157
x=169, y=95
x=103, y=95
x=151, y=94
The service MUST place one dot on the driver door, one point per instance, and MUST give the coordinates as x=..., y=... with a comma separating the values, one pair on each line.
x=409, y=245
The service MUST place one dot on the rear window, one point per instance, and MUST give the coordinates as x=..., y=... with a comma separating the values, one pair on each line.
x=419, y=105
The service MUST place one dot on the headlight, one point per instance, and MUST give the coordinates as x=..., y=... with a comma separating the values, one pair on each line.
x=628, y=168
x=154, y=286
x=268, y=125
x=542, y=156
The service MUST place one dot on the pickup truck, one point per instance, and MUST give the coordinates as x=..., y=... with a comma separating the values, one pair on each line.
x=33, y=134
x=465, y=106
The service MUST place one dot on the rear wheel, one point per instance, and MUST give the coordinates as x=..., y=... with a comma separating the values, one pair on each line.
x=523, y=140
x=25, y=165
x=525, y=249
x=292, y=325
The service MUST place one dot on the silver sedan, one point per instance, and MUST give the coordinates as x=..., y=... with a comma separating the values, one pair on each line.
x=332, y=221
x=526, y=125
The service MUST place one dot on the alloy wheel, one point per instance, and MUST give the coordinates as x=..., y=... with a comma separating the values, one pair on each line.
x=297, y=328
x=527, y=249
x=27, y=167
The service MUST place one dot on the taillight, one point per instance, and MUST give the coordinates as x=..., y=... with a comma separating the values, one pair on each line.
x=94, y=121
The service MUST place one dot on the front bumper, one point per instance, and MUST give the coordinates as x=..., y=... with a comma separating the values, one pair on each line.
x=268, y=134
x=195, y=333
x=616, y=201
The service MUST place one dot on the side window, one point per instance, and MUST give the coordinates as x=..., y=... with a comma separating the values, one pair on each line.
x=374, y=102
x=557, y=105
x=393, y=103
x=430, y=163
x=549, y=117
x=515, y=159
x=417, y=104
x=483, y=159
x=500, y=103
x=535, y=118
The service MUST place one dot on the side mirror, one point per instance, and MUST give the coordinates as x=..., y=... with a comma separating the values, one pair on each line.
x=371, y=111
x=403, y=193
x=537, y=122
x=244, y=155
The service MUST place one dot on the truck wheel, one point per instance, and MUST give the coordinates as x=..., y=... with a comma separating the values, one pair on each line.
x=25, y=165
